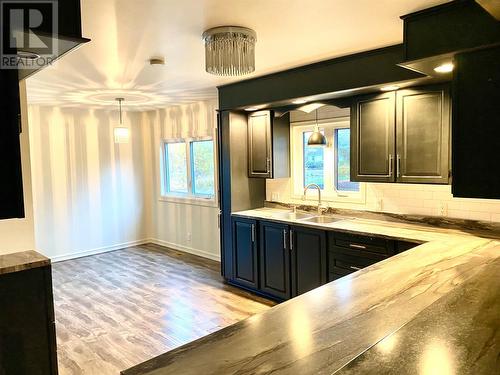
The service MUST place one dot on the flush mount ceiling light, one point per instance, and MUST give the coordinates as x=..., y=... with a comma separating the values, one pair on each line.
x=229, y=50
x=389, y=88
x=121, y=133
x=317, y=139
x=27, y=55
x=256, y=108
x=444, y=68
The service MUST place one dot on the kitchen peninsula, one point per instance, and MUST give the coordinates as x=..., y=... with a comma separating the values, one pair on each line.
x=443, y=291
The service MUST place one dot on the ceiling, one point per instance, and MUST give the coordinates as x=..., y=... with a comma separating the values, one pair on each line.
x=126, y=33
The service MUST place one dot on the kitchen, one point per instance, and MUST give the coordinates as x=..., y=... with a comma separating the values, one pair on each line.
x=352, y=192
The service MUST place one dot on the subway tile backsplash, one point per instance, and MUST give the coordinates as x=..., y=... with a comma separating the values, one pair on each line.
x=431, y=200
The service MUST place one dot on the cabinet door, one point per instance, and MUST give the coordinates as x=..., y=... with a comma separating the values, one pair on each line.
x=274, y=260
x=372, y=138
x=27, y=329
x=245, y=266
x=11, y=188
x=308, y=258
x=476, y=128
x=423, y=128
x=259, y=145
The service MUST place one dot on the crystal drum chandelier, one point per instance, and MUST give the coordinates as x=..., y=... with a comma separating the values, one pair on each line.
x=230, y=50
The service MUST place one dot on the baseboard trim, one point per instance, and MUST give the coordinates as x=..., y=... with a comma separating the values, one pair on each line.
x=186, y=249
x=99, y=250
x=105, y=249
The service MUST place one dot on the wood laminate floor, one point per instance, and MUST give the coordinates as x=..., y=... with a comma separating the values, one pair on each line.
x=118, y=309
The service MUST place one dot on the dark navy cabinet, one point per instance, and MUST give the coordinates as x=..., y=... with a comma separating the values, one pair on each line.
x=11, y=189
x=27, y=328
x=282, y=261
x=274, y=260
x=245, y=255
x=309, y=266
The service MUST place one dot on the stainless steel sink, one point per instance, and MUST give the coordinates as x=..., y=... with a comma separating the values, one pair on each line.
x=323, y=219
x=292, y=215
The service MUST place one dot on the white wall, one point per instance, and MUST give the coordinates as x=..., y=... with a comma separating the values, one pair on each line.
x=433, y=200
x=89, y=193
x=188, y=227
x=92, y=195
x=18, y=234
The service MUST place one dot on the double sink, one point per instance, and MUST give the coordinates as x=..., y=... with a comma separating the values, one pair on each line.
x=306, y=217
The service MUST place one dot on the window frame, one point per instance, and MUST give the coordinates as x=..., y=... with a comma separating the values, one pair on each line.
x=329, y=193
x=189, y=197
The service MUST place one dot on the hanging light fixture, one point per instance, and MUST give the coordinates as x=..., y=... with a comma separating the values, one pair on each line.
x=121, y=133
x=317, y=139
x=229, y=50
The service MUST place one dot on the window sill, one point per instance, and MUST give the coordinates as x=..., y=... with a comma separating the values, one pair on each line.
x=192, y=201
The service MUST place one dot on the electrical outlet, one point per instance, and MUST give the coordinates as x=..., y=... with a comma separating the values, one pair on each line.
x=380, y=204
x=275, y=197
x=188, y=237
x=443, y=209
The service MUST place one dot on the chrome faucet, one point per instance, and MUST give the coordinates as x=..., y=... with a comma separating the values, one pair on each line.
x=319, y=195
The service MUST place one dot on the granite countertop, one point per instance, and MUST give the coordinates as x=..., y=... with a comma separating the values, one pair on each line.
x=436, y=303
x=25, y=260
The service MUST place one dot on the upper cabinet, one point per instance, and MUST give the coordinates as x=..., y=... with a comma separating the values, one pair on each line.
x=372, y=138
x=268, y=145
x=401, y=136
x=423, y=135
x=57, y=31
x=476, y=127
x=11, y=189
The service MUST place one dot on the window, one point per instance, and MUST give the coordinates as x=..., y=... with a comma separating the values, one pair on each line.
x=189, y=169
x=313, y=162
x=176, y=167
x=328, y=167
x=202, y=162
x=342, y=161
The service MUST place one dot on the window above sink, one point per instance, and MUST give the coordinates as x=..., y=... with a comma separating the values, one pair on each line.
x=328, y=167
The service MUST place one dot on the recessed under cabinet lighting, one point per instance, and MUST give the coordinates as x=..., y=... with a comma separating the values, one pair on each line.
x=444, y=68
x=389, y=88
x=300, y=101
x=251, y=109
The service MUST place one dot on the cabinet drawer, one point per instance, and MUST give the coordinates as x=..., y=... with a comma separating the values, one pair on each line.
x=342, y=264
x=362, y=244
x=352, y=261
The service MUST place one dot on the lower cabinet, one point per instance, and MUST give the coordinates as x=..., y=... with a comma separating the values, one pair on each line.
x=275, y=260
x=27, y=328
x=309, y=265
x=245, y=257
x=282, y=261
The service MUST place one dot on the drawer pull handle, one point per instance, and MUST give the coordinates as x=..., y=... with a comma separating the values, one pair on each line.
x=354, y=268
x=355, y=246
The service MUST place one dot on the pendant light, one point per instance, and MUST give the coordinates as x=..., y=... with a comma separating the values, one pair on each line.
x=121, y=133
x=317, y=139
